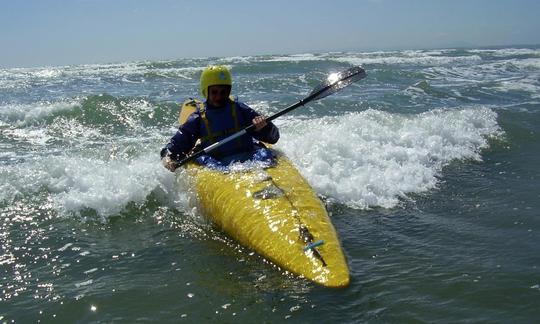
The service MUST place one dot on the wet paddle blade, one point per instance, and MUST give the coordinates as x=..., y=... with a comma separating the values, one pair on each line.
x=337, y=81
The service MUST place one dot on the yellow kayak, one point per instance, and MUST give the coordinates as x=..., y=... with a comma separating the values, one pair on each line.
x=276, y=213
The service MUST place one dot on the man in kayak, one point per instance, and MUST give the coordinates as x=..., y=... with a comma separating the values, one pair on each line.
x=217, y=118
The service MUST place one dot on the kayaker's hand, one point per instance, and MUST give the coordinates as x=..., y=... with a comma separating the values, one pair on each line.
x=168, y=163
x=259, y=122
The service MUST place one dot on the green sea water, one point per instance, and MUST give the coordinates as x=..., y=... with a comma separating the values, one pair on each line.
x=428, y=167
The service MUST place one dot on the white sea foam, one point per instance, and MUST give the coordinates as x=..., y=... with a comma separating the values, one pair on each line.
x=127, y=70
x=21, y=78
x=291, y=58
x=186, y=73
x=530, y=63
x=374, y=158
x=406, y=57
x=77, y=183
x=464, y=74
x=31, y=135
x=236, y=59
x=23, y=114
x=65, y=247
x=84, y=283
x=47, y=73
x=506, y=52
x=106, y=187
x=101, y=70
x=26, y=77
x=366, y=159
x=527, y=85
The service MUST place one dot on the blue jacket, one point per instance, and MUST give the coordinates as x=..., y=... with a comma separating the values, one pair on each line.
x=223, y=122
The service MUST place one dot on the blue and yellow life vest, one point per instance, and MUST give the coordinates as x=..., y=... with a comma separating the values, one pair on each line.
x=217, y=124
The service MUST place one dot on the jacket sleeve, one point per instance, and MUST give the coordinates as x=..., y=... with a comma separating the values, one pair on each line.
x=184, y=140
x=269, y=134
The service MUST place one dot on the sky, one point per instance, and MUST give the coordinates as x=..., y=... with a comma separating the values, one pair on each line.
x=65, y=32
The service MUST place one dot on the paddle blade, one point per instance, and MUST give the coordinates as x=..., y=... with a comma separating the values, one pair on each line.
x=336, y=82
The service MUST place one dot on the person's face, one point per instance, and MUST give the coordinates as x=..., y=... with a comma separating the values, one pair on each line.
x=218, y=95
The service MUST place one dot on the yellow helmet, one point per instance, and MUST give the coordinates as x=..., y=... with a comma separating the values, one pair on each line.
x=214, y=75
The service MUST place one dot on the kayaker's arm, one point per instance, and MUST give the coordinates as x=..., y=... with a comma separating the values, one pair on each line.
x=268, y=134
x=181, y=143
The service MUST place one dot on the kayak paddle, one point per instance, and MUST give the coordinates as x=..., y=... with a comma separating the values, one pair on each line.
x=333, y=83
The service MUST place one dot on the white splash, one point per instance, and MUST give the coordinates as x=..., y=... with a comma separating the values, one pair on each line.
x=24, y=114
x=89, y=183
x=374, y=158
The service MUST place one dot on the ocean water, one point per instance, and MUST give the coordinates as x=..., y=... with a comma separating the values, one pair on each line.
x=428, y=167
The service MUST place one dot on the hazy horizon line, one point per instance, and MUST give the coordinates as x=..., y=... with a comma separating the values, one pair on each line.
x=319, y=51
